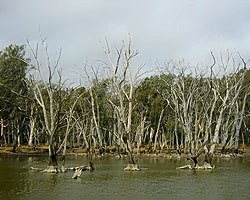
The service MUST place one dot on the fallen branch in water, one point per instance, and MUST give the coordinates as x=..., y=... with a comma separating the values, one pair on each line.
x=37, y=169
x=78, y=168
x=205, y=166
x=78, y=172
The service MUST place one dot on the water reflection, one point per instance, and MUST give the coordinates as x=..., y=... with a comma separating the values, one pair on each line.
x=230, y=180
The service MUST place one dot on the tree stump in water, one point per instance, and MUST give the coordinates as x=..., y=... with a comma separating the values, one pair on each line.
x=206, y=166
x=132, y=167
x=63, y=169
x=51, y=169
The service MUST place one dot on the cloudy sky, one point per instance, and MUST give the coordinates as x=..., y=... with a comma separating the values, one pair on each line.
x=160, y=29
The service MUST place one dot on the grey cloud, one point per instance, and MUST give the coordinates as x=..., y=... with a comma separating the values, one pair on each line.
x=160, y=29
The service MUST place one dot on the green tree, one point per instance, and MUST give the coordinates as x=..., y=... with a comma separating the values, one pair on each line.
x=13, y=69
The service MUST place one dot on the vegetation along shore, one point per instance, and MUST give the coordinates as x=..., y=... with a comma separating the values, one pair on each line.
x=179, y=111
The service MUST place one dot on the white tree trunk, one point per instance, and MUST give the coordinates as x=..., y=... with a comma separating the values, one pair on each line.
x=158, y=128
x=32, y=128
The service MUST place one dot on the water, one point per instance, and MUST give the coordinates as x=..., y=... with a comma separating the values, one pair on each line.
x=230, y=180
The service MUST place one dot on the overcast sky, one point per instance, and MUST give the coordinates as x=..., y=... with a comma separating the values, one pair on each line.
x=160, y=29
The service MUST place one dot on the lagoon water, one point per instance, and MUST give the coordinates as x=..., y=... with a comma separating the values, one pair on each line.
x=229, y=180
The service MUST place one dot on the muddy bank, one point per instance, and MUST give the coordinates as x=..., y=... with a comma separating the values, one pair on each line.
x=111, y=152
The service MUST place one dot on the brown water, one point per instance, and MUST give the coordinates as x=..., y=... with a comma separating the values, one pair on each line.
x=230, y=180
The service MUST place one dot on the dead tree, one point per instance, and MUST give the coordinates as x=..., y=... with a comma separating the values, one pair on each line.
x=229, y=97
x=185, y=96
x=157, y=131
x=70, y=122
x=51, y=95
x=94, y=104
x=122, y=87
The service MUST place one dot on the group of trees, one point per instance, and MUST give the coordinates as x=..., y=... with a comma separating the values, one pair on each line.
x=183, y=108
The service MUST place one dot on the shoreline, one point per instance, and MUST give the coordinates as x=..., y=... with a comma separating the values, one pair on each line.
x=169, y=153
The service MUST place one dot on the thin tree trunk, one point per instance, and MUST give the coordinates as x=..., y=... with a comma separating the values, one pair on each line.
x=32, y=130
x=15, y=139
x=158, y=127
x=239, y=124
x=64, y=157
x=225, y=132
x=176, y=135
x=95, y=118
x=2, y=132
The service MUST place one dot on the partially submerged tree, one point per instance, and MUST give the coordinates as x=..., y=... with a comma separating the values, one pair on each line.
x=56, y=103
x=122, y=88
x=188, y=111
x=203, y=103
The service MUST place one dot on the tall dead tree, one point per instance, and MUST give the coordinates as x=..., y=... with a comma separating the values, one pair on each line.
x=122, y=87
x=185, y=98
x=228, y=91
x=51, y=95
x=94, y=104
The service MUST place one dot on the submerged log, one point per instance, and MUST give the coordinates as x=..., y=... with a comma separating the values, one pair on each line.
x=51, y=169
x=82, y=167
x=204, y=166
x=185, y=167
x=37, y=169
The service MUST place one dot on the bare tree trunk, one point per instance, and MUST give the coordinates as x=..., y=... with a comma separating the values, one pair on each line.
x=176, y=135
x=217, y=130
x=239, y=122
x=219, y=122
x=64, y=157
x=52, y=165
x=158, y=127
x=97, y=127
x=123, y=84
x=225, y=132
x=140, y=133
x=151, y=135
x=15, y=136
x=32, y=131
x=85, y=138
x=19, y=140
x=231, y=142
x=2, y=132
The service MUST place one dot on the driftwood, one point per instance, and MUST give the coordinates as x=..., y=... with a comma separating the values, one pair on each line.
x=205, y=166
x=49, y=169
x=52, y=169
x=37, y=169
x=77, y=173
